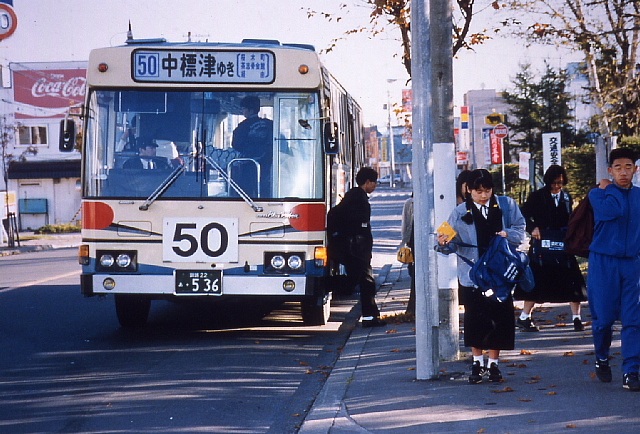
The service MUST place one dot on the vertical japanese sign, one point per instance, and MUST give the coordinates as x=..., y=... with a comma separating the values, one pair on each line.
x=523, y=165
x=496, y=149
x=551, y=150
x=464, y=142
x=486, y=145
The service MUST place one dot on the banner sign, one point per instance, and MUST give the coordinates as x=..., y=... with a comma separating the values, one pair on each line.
x=551, y=150
x=203, y=66
x=496, y=149
x=47, y=93
x=523, y=165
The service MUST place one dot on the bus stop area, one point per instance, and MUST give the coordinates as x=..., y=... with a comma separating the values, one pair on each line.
x=549, y=382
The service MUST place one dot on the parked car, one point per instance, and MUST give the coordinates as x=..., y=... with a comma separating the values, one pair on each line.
x=397, y=179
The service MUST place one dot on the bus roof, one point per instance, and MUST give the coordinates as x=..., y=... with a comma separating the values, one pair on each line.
x=250, y=63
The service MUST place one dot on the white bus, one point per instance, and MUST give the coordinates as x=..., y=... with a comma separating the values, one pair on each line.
x=228, y=212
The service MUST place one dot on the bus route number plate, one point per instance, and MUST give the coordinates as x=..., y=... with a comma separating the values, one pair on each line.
x=196, y=282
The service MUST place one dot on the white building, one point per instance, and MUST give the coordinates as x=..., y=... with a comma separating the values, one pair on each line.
x=39, y=97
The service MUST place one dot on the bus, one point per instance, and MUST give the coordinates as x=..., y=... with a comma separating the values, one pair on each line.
x=256, y=140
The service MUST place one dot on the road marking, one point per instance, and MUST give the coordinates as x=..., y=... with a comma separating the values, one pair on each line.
x=41, y=281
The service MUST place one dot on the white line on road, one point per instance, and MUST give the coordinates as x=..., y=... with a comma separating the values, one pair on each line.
x=41, y=281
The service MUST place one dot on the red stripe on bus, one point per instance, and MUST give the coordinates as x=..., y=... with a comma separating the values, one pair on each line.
x=311, y=217
x=96, y=215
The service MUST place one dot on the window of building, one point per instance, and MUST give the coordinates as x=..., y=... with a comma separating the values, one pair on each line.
x=32, y=135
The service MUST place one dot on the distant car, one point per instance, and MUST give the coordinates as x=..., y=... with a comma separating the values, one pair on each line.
x=386, y=179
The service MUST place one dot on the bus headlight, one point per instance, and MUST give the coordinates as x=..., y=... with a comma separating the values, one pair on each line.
x=294, y=262
x=114, y=261
x=284, y=262
x=278, y=262
x=106, y=261
x=123, y=260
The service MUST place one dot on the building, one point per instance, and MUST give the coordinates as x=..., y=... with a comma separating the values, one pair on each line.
x=480, y=104
x=39, y=99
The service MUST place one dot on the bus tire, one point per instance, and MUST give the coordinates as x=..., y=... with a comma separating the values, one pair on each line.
x=132, y=310
x=316, y=312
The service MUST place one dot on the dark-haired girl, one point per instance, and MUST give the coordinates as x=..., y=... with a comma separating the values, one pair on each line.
x=488, y=324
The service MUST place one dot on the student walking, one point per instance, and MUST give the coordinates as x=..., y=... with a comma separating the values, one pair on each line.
x=613, y=282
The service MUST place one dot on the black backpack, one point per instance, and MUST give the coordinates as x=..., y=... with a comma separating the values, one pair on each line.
x=337, y=237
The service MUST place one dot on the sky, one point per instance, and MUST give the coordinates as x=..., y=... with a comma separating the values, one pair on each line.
x=67, y=30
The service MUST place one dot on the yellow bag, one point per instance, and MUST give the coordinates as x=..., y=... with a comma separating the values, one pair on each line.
x=405, y=255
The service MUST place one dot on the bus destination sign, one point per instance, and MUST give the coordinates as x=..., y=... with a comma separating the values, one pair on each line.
x=203, y=66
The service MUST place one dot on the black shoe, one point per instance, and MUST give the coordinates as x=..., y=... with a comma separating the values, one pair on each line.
x=631, y=381
x=376, y=322
x=526, y=325
x=577, y=325
x=476, y=373
x=603, y=371
x=495, y=375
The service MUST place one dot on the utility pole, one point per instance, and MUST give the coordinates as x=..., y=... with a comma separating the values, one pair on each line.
x=445, y=171
x=427, y=315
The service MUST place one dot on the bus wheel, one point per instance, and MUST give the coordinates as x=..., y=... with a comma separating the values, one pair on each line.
x=132, y=310
x=316, y=312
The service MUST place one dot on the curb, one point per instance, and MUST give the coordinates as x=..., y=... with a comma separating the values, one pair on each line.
x=328, y=410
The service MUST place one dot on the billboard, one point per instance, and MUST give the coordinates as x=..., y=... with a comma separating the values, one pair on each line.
x=47, y=90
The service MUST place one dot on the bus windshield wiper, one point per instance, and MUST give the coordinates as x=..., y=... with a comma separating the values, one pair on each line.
x=163, y=187
x=243, y=194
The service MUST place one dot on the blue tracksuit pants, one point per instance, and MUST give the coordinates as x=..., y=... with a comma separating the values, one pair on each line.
x=613, y=285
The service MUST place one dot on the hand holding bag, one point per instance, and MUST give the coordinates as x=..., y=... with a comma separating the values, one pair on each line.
x=405, y=255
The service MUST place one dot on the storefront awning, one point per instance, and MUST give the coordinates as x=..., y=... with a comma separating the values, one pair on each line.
x=44, y=169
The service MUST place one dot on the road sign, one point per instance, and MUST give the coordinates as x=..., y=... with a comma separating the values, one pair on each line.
x=500, y=131
x=8, y=21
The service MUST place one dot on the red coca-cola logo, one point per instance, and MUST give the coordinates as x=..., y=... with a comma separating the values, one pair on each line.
x=73, y=87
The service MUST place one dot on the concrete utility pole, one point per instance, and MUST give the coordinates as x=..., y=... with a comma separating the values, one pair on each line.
x=445, y=170
x=427, y=316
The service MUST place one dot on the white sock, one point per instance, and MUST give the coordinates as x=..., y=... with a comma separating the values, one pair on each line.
x=524, y=316
x=577, y=317
x=493, y=361
x=479, y=359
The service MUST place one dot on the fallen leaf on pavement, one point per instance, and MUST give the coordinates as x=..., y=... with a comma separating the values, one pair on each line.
x=569, y=354
x=505, y=390
x=526, y=352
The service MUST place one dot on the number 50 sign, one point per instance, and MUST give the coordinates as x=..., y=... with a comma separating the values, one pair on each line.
x=8, y=21
x=200, y=239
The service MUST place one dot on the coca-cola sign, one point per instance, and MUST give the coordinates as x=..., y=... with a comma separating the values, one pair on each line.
x=47, y=93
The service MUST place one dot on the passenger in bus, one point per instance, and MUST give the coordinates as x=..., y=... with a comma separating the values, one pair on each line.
x=253, y=138
x=147, y=158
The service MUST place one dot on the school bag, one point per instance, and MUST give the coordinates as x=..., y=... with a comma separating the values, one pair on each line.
x=337, y=239
x=580, y=229
x=499, y=269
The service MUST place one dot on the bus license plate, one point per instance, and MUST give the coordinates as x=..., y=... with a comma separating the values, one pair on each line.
x=199, y=282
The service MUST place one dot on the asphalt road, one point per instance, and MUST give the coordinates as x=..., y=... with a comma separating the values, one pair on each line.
x=67, y=366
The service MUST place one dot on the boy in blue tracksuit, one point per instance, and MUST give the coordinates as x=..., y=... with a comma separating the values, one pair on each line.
x=614, y=267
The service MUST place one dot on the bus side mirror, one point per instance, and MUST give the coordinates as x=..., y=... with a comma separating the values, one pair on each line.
x=331, y=138
x=67, y=135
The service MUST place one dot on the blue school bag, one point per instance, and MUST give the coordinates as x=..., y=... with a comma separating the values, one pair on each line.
x=500, y=268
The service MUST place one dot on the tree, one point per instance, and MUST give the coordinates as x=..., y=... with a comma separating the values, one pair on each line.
x=538, y=107
x=395, y=14
x=607, y=32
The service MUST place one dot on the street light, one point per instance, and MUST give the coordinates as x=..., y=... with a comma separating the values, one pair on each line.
x=391, y=145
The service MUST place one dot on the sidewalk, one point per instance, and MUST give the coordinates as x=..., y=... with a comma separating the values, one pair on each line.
x=549, y=385
x=33, y=243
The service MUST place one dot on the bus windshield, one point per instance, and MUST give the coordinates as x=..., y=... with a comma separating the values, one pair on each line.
x=266, y=144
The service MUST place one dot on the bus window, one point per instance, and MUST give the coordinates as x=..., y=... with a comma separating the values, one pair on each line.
x=255, y=138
